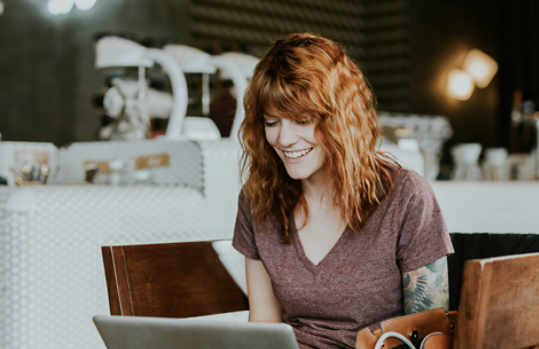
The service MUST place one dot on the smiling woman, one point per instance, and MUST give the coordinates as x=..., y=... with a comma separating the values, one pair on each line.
x=296, y=145
x=337, y=237
x=312, y=84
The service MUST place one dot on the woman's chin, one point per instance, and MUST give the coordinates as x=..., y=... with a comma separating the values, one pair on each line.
x=298, y=175
x=305, y=172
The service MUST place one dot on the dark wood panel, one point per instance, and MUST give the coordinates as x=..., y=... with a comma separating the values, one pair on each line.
x=171, y=280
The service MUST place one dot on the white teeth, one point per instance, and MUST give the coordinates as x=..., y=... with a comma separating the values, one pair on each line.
x=297, y=154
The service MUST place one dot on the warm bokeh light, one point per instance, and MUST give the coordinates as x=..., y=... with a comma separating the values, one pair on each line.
x=460, y=84
x=481, y=67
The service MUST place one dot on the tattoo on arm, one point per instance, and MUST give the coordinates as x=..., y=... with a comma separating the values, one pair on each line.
x=426, y=287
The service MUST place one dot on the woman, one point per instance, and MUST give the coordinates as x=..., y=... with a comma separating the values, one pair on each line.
x=336, y=236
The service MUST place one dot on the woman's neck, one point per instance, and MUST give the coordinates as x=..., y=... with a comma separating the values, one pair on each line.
x=317, y=190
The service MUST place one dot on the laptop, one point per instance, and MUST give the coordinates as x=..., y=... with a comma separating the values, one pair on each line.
x=134, y=332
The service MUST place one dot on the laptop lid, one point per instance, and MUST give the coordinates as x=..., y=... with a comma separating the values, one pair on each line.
x=128, y=332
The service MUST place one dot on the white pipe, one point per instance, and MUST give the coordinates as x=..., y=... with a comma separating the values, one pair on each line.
x=240, y=84
x=142, y=91
x=179, y=91
x=206, y=94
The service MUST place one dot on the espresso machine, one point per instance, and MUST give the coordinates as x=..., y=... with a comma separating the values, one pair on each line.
x=132, y=104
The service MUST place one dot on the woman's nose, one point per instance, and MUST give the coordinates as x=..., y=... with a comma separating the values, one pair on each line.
x=287, y=134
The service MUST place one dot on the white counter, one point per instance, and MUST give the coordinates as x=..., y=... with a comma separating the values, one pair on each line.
x=495, y=207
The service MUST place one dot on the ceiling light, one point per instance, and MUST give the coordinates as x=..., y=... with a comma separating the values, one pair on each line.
x=60, y=7
x=460, y=84
x=85, y=4
x=481, y=67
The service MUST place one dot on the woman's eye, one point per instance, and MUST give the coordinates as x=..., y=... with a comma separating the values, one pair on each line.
x=270, y=123
x=303, y=122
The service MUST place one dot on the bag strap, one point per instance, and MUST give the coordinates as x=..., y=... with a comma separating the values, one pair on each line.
x=414, y=327
x=381, y=340
x=437, y=340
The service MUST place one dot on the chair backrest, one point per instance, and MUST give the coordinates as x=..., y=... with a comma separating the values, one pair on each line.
x=481, y=246
x=499, y=303
x=169, y=280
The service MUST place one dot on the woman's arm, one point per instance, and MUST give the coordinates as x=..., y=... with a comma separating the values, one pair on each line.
x=262, y=302
x=426, y=287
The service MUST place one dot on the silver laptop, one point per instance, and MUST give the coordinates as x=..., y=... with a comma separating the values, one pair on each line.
x=134, y=332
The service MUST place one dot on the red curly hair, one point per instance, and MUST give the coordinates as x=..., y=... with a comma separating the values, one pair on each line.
x=301, y=75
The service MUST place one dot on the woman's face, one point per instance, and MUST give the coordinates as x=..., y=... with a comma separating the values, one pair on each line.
x=297, y=146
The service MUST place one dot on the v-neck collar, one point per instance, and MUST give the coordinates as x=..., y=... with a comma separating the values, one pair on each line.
x=313, y=268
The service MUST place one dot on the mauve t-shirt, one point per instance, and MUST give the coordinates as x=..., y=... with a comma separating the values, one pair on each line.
x=358, y=283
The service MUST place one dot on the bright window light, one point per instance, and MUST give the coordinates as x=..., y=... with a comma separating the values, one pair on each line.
x=85, y=4
x=481, y=67
x=460, y=84
x=60, y=7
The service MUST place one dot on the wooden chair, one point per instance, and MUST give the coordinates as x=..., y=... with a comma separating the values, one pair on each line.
x=481, y=246
x=169, y=280
x=499, y=303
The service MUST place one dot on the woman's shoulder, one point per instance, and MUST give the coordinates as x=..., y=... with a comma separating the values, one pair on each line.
x=244, y=200
x=410, y=183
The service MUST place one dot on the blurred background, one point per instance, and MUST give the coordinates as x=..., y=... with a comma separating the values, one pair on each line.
x=48, y=79
x=128, y=112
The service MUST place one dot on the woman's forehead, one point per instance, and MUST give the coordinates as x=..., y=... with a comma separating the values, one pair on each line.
x=295, y=113
x=275, y=113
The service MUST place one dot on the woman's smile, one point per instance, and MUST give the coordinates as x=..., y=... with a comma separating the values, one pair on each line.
x=296, y=155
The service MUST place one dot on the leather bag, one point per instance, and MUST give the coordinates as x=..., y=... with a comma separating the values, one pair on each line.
x=414, y=327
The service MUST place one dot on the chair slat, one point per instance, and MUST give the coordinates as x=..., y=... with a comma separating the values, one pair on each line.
x=169, y=280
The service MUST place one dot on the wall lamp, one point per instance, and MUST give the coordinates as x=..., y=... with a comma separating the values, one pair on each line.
x=62, y=7
x=478, y=70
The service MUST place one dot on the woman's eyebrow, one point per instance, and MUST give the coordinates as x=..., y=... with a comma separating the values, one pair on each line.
x=271, y=116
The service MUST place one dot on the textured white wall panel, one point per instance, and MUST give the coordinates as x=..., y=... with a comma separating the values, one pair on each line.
x=51, y=272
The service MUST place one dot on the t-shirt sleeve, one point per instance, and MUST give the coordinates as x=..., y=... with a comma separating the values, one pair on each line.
x=423, y=236
x=244, y=240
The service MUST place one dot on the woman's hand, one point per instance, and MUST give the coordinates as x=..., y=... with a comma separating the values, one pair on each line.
x=426, y=287
x=262, y=303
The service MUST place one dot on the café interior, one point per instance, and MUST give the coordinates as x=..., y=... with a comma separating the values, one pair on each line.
x=119, y=127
